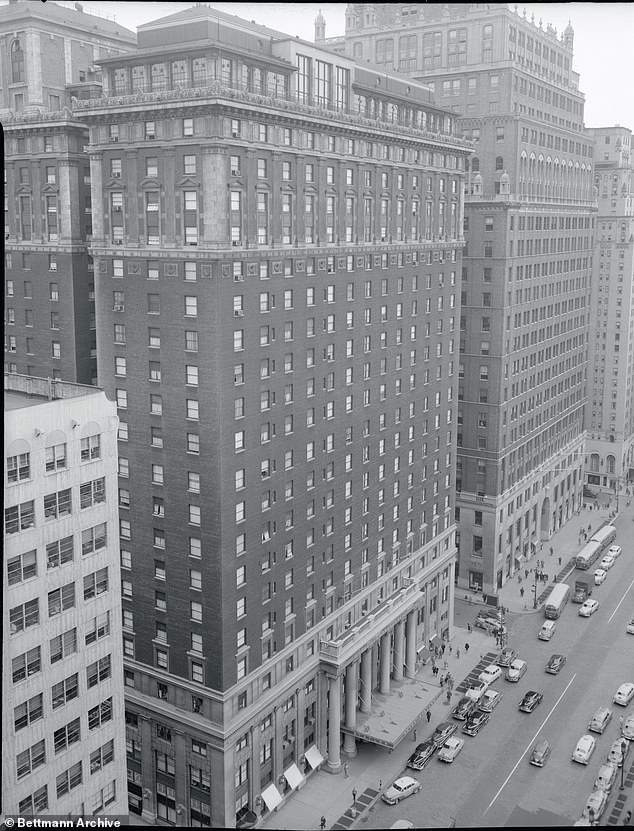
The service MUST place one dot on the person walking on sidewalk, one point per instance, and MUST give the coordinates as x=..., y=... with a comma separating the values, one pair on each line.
x=428, y=716
x=346, y=770
x=466, y=647
x=458, y=653
x=627, y=818
x=322, y=822
x=354, y=795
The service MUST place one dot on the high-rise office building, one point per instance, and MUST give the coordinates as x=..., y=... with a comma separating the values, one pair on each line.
x=47, y=55
x=276, y=234
x=525, y=290
x=63, y=732
x=610, y=406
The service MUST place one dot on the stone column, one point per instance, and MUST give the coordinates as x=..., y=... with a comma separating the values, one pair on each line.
x=399, y=650
x=386, y=663
x=452, y=598
x=254, y=778
x=352, y=683
x=299, y=721
x=96, y=187
x=214, y=197
x=410, y=655
x=33, y=60
x=68, y=207
x=366, y=681
x=334, y=726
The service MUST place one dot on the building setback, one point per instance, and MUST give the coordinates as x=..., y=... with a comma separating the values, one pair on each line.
x=62, y=664
x=277, y=238
x=525, y=289
x=48, y=54
x=610, y=406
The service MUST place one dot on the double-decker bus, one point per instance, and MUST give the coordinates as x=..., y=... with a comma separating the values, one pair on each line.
x=588, y=554
x=604, y=536
x=556, y=600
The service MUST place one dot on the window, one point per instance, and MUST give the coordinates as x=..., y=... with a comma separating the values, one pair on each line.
x=61, y=599
x=65, y=691
x=191, y=306
x=92, y=493
x=22, y=567
x=28, y=712
x=91, y=448
x=55, y=457
x=66, y=736
x=100, y=714
x=69, y=779
x=101, y=757
x=99, y=627
x=63, y=645
x=95, y=583
x=98, y=671
x=57, y=504
x=19, y=517
x=27, y=664
x=30, y=759
x=92, y=539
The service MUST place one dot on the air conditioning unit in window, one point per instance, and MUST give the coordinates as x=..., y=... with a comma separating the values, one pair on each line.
x=235, y=134
x=52, y=267
x=235, y=171
x=236, y=243
x=238, y=313
x=114, y=138
x=118, y=307
x=118, y=242
x=117, y=174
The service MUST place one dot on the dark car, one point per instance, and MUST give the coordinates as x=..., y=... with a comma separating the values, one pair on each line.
x=531, y=699
x=555, y=663
x=463, y=708
x=444, y=730
x=476, y=722
x=505, y=657
x=421, y=755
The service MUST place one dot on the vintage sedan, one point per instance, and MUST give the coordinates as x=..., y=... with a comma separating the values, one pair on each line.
x=450, y=749
x=588, y=608
x=624, y=694
x=421, y=755
x=555, y=663
x=615, y=551
x=607, y=562
x=490, y=700
x=444, y=730
x=596, y=804
x=516, y=670
x=531, y=699
x=584, y=749
x=401, y=789
x=599, y=576
x=490, y=674
x=627, y=728
x=476, y=722
x=463, y=708
x=540, y=753
x=605, y=777
x=615, y=754
x=506, y=656
x=630, y=627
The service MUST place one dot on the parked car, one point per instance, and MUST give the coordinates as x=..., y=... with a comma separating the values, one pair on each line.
x=401, y=789
x=463, y=708
x=615, y=551
x=630, y=627
x=402, y=823
x=421, y=755
x=596, y=803
x=600, y=720
x=624, y=694
x=540, y=753
x=605, y=777
x=599, y=576
x=490, y=674
x=627, y=728
x=588, y=608
x=476, y=722
x=506, y=656
x=555, y=663
x=607, y=562
x=450, y=749
x=531, y=699
x=584, y=749
x=488, y=619
x=489, y=701
x=444, y=730
x=477, y=690
x=615, y=754
x=516, y=669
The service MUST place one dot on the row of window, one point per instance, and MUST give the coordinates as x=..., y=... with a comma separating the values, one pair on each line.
x=20, y=517
x=55, y=458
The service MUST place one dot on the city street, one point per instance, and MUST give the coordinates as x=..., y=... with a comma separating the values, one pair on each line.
x=491, y=777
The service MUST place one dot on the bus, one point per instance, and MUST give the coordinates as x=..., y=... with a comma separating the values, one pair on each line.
x=556, y=600
x=604, y=536
x=588, y=554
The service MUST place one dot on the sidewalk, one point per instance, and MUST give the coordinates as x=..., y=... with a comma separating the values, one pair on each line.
x=374, y=768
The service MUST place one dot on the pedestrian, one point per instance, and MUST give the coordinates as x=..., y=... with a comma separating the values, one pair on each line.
x=450, y=649
x=380, y=784
x=346, y=770
x=560, y=561
x=322, y=823
x=466, y=647
x=458, y=653
x=414, y=735
x=445, y=664
x=468, y=627
x=354, y=795
x=442, y=649
x=627, y=818
x=525, y=572
x=519, y=578
x=522, y=592
x=428, y=716
x=442, y=680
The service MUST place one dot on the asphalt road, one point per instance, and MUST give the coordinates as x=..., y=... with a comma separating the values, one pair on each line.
x=491, y=778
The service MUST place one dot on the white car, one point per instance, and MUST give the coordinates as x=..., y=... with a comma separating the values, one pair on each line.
x=596, y=803
x=450, y=749
x=605, y=778
x=607, y=562
x=476, y=691
x=490, y=674
x=400, y=789
x=584, y=749
x=624, y=694
x=630, y=627
x=615, y=756
x=599, y=576
x=516, y=669
x=627, y=728
x=489, y=701
x=588, y=608
x=615, y=551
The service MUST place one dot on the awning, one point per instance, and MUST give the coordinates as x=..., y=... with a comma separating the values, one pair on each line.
x=423, y=653
x=314, y=757
x=293, y=776
x=272, y=797
x=435, y=641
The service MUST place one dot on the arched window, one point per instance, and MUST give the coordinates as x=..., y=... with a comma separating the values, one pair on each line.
x=611, y=463
x=499, y=163
x=475, y=164
x=594, y=462
x=17, y=62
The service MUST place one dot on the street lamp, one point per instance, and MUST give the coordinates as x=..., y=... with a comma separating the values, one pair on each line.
x=623, y=749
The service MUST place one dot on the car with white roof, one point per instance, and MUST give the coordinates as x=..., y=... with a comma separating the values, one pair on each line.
x=599, y=576
x=450, y=749
x=624, y=694
x=516, y=669
x=400, y=789
x=584, y=749
x=596, y=804
x=615, y=551
x=490, y=674
x=490, y=700
x=605, y=777
x=588, y=608
x=607, y=562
